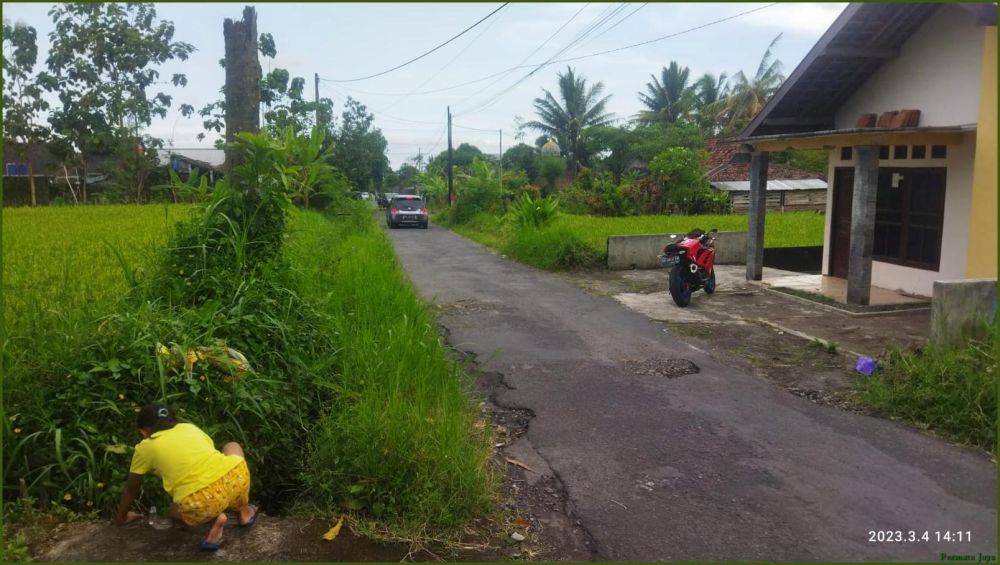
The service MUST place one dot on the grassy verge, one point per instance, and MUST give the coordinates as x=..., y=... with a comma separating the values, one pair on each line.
x=350, y=404
x=949, y=390
x=401, y=441
x=581, y=241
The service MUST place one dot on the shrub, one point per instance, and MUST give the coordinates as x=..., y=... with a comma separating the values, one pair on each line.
x=527, y=212
x=478, y=191
x=951, y=390
x=551, y=169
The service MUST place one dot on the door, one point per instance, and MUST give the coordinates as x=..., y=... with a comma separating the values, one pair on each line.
x=840, y=222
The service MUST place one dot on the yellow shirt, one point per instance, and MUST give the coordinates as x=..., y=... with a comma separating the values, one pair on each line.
x=184, y=457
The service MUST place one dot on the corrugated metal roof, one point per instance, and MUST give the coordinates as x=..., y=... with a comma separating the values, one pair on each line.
x=772, y=184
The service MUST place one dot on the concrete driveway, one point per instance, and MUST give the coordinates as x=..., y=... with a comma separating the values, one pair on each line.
x=666, y=453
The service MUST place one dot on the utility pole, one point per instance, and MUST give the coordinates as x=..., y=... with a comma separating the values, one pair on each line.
x=501, y=159
x=317, y=100
x=451, y=190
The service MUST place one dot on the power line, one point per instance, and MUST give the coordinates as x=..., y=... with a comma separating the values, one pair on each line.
x=593, y=27
x=417, y=58
x=536, y=50
x=474, y=129
x=632, y=46
x=446, y=65
x=616, y=24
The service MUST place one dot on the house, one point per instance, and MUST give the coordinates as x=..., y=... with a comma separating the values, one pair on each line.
x=904, y=99
x=788, y=189
x=19, y=162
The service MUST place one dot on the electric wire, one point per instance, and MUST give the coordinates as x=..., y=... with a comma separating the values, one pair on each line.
x=617, y=49
x=418, y=57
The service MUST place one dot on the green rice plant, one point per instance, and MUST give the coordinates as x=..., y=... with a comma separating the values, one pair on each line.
x=952, y=390
x=400, y=442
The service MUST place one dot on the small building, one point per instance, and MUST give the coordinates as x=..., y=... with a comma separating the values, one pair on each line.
x=788, y=189
x=904, y=98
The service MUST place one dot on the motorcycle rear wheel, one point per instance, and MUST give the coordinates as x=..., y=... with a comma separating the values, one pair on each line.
x=680, y=288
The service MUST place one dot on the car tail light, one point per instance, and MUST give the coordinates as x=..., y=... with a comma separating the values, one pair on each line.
x=394, y=211
x=423, y=211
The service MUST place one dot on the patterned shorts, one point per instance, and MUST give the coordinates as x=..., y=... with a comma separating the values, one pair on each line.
x=230, y=492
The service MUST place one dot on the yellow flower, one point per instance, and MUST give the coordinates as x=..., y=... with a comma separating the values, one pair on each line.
x=67, y=497
x=190, y=357
x=164, y=351
x=17, y=430
x=121, y=397
x=100, y=485
x=90, y=503
x=12, y=418
x=137, y=409
x=202, y=377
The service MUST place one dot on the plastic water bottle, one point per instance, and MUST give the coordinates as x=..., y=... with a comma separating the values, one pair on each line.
x=158, y=522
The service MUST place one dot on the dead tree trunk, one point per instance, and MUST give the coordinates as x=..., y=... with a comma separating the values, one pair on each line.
x=242, y=81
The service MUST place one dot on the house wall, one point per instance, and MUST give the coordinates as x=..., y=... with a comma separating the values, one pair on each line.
x=982, y=255
x=955, y=232
x=933, y=74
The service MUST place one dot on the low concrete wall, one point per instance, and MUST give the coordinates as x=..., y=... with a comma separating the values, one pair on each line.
x=641, y=251
x=959, y=309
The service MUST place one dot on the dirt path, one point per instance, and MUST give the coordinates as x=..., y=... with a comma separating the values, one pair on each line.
x=662, y=452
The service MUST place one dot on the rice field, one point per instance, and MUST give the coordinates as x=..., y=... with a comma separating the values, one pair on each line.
x=785, y=229
x=63, y=268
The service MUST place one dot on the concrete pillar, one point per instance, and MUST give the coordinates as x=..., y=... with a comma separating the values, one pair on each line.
x=758, y=208
x=859, y=266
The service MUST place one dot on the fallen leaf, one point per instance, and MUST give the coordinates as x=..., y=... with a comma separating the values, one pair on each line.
x=517, y=463
x=521, y=523
x=334, y=531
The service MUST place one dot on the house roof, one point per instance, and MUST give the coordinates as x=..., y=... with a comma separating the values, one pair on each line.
x=744, y=185
x=721, y=169
x=862, y=38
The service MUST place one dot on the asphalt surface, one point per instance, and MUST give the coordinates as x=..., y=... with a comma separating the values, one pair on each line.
x=713, y=465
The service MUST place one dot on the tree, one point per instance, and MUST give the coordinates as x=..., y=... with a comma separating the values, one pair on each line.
x=669, y=98
x=524, y=157
x=747, y=97
x=360, y=148
x=681, y=172
x=613, y=146
x=708, y=90
x=649, y=140
x=565, y=119
x=462, y=158
x=102, y=60
x=22, y=95
x=407, y=175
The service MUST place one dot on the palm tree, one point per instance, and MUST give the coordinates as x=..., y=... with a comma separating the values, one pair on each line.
x=580, y=107
x=669, y=98
x=746, y=96
x=709, y=89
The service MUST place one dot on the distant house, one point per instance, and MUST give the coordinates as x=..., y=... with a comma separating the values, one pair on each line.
x=904, y=98
x=184, y=165
x=788, y=189
x=18, y=162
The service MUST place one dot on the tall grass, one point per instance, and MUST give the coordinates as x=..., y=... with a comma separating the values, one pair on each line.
x=949, y=390
x=401, y=440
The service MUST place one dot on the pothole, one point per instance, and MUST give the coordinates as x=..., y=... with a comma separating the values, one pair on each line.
x=669, y=368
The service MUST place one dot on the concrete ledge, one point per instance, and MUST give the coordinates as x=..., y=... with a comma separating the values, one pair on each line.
x=960, y=308
x=641, y=251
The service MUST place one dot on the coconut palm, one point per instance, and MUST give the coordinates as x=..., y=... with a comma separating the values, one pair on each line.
x=670, y=97
x=746, y=96
x=709, y=89
x=577, y=108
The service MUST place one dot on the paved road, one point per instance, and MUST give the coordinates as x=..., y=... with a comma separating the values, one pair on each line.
x=716, y=465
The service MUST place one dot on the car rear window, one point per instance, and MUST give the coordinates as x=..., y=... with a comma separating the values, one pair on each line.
x=414, y=202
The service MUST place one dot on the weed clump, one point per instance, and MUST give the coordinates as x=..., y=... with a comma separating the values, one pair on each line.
x=554, y=248
x=950, y=390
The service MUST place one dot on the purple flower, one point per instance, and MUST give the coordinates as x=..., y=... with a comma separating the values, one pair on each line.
x=866, y=366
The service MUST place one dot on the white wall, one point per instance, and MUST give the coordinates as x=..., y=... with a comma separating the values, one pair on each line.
x=955, y=237
x=937, y=72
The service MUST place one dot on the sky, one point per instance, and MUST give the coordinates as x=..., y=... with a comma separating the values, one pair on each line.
x=345, y=41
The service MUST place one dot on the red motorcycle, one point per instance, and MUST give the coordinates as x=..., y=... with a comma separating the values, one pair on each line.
x=692, y=265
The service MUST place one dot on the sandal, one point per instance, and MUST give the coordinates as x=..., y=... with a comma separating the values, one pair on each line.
x=250, y=523
x=208, y=546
